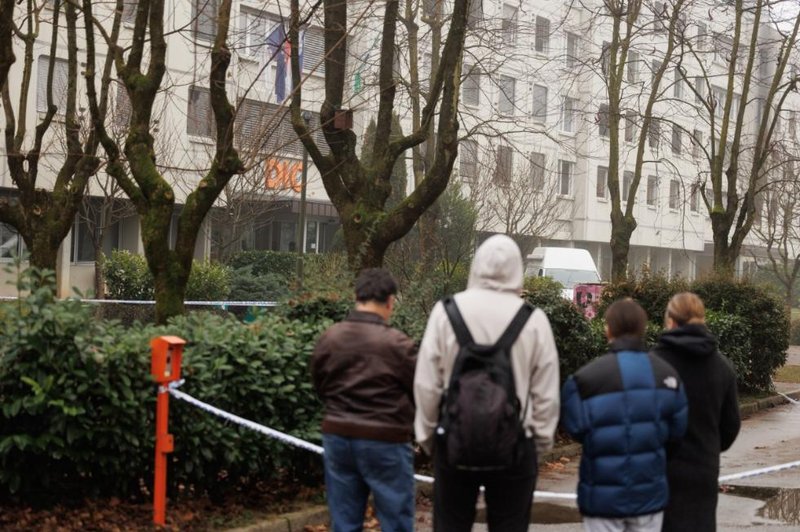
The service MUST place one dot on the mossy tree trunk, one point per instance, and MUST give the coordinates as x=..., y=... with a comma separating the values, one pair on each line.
x=137, y=173
x=360, y=192
x=43, y=217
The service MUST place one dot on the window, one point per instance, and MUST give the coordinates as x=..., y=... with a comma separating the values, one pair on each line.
x=540, y=103
x=471, y=86
x=265, y=128
x=700, y=89
x=537, y=162
x=475, y=15
x=11, y=244
x=468, y=160
x=602, y=181
x=694, y=197
x=627, y=179
x=59, y=86
x=255, y=35
x=504, y=165
x=508, y=24
x=129, y=11
x=677, y=87
x=86, y=232
x=314, y=50
x=506, y=102
x=674, y=194
x=602, y=120
x=542, y=41
x=633, y=66
x=652, y=190
x=429, y=7
x=566, y=169
x=697, y=142
x=572, y=50
x=702, y=31
x=630, y=126
x=677, y=137
x=654, y=133
x=659, y=14
x=204, y=19
x=605, y=58
x=199, y=117
x=568, y=115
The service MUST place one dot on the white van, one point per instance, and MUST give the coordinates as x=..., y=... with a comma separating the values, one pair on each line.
x=568, y=266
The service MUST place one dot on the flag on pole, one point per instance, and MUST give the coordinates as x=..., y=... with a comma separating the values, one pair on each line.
x=275, y=41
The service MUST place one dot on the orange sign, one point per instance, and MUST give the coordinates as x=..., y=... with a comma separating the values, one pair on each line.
x=283, y=175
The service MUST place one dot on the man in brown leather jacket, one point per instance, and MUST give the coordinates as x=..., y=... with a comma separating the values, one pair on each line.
x=363, y=371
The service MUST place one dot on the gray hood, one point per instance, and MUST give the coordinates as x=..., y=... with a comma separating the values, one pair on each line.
x=497, y=265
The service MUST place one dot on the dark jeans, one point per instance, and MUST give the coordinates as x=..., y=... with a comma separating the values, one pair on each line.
x=508, y=494
x=354, y=467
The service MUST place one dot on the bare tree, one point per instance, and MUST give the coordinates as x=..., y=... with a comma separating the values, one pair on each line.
x=756, y=81
x=7, y=57
x=141, y=69
x=359, y=192
x=43, y=213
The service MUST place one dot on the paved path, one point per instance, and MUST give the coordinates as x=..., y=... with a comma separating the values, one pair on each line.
x=768, y=438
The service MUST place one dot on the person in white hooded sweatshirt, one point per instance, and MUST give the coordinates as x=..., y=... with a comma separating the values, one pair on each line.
x=488, y=305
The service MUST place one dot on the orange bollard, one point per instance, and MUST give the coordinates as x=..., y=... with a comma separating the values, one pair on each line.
x=165, y=367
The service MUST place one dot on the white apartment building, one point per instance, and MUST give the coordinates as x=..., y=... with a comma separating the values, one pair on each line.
x=532, y=106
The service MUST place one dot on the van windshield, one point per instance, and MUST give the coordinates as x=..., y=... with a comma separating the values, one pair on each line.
x=569, y=278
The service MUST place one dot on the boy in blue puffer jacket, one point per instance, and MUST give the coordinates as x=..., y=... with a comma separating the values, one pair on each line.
x=625, y=407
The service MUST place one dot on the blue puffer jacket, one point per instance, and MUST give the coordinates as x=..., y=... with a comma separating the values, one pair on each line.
x=625, y=408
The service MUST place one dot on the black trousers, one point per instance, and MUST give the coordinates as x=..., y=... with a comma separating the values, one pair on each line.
x=508, y=495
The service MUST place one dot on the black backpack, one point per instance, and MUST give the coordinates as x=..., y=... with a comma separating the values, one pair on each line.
x=480, y=425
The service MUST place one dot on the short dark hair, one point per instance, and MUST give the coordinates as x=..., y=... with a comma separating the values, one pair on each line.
x=625, y=317
x=375, y=284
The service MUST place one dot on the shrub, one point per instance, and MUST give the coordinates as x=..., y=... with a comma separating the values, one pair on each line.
x=543, y=286
x=209, y=281
x=652, y=290
x=733, y=336
x=766, y=316
x=78, y=403
x=246, y=286
x=127, y=276
x=260, y=262
x=576, y=340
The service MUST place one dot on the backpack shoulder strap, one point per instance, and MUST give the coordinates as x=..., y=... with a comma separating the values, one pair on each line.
x=457, y=321
x=515, y=327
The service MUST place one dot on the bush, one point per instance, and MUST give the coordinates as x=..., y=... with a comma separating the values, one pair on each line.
x=652, y=290
x=260, y=262
x=543, y=286
x=733, y=336
x=246, y=286
x=78, y=402
x=576, y=340
x=766, y=316
x=209, y=281
x=127, y=276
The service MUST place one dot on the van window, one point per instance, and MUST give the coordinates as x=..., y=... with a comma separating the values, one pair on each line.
x=569, y=278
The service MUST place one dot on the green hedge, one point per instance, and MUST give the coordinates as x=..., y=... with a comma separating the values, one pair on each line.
x=260, y=262
x=750, y=320
x=78, y=402
x=128, y=277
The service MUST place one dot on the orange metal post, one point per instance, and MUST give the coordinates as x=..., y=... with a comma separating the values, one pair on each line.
x=165, y=368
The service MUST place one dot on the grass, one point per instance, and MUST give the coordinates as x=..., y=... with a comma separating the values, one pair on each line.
x=788, y=374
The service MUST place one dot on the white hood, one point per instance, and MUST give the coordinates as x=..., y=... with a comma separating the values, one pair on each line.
x=497, y=265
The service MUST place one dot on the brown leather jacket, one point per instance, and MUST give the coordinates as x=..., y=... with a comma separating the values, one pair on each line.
x=363, y=370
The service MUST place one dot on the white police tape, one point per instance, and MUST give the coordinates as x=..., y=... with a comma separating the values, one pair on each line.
x=224, y=304
x=172, y=389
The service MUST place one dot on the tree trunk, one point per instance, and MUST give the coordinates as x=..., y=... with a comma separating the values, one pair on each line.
x=170, y=289
x=725, y=254
x=622, y=228
x=99, y=274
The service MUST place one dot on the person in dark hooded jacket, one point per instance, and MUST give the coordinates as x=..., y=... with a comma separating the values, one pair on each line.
x=710, y=381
